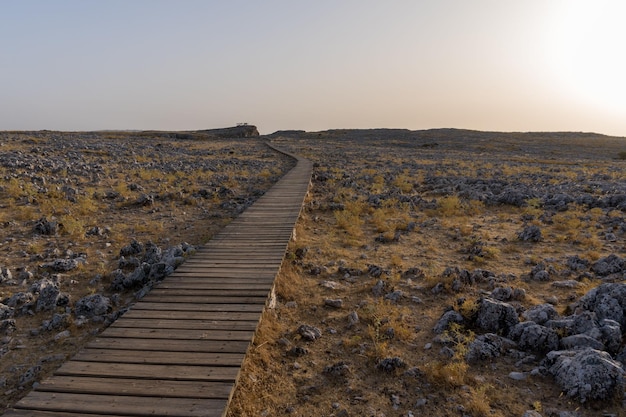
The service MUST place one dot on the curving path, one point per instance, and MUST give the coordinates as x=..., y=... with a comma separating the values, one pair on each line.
x=178, y=351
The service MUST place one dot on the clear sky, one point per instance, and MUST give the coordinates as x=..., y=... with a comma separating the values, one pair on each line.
x=508, y=65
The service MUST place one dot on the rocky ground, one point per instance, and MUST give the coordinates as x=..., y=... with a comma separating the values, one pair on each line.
x=89, y=221
x=440, y=273
x=449, y=273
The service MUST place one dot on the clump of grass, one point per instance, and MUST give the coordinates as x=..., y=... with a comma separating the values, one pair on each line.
x=288, y=286
x=468, y=308
x=478, y=403
x=349, y=219
x=450, y=205
x=453, y=372
x=72, y=226
x=403, y=183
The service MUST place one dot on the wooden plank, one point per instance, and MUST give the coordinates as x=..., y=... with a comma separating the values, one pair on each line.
x=242, y=291
x=191, y=299
x=144, y=305
x=122, y=404
x=179, y=334
x=228, y=272
x=39, y=413
x=159, y=357
x=192, y=315
x=230, y=261
x=193, y=285
x=230, y=346
x=222, y=278
x=136, y=387
x=152, y=323
x=142, y=371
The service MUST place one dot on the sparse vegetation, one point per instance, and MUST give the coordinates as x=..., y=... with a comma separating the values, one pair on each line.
x=100, y=191
x=456, y=226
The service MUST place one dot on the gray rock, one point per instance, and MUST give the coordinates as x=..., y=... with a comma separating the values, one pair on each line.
x=331, y=285
x=451, y=316
x=7, y=326
x=540, y=314
x=334, y=303
x=375, y=271
x=353, y=318
x=585, y=322
x=611, y=332
x=133, y=248
x=92, y=306
x=29, y=376
x=45, y=227
x=561, y=326
x=309, y=333
x=607, y=301
x=394, y=296
x=5, y=275
x=145, y=200
x=531, y=413
x=153, y=254
x=21, y=302
x=575, y=263
x=62, y=265
x=6, y=312
x=534, y=337
x=58, y=321
x=580, y=341
x=502, y=293
x=495, y=316
x=379, y=288
x=518, y=294
x=337, y=369
x=530, y=234
x=586, y=374
x=137, y=278
x=611, y=264
x=128, y=263
x=62, y=335
x=518, y=376
x=48, y=295
x=160, y=270
x=390, y=364
x=487, y=346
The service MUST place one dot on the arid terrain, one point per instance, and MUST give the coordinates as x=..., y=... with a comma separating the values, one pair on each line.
x=442, y=273
x=89, y=221
x=437, y=273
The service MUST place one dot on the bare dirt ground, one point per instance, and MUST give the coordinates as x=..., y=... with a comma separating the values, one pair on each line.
x=71, y=202
x=401, y=227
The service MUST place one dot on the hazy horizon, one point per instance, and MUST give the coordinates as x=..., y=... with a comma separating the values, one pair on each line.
x=489, y=65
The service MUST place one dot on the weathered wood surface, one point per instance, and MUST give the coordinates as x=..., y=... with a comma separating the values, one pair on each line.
x=178, y=351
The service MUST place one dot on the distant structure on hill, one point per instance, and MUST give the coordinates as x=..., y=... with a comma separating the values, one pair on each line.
x=242, y=130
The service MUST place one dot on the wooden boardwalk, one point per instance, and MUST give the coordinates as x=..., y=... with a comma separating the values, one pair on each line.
x=178, y=351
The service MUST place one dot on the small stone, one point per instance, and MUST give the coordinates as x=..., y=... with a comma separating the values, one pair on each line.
x=62, y=335
x=309, y=333
x=353, y=318
x=337, y=369
x=334, y=303
x=517, y=376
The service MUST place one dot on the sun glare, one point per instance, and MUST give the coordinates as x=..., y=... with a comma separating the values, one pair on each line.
x=587, y=52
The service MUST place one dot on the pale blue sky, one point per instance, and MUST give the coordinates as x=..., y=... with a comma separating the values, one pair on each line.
x=187, y=64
